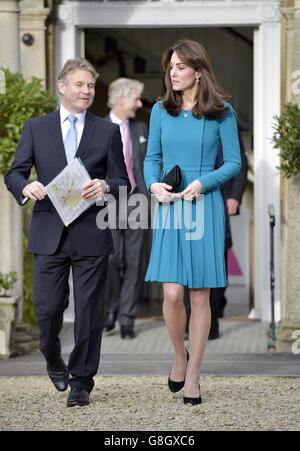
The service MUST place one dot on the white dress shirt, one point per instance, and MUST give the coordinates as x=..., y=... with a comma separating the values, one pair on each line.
x=65, y=124
x=118, y=121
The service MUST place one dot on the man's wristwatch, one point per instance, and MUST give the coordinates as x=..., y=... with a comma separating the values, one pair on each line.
x=107, y=188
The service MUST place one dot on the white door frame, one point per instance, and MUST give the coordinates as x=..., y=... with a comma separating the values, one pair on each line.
x=263, y=14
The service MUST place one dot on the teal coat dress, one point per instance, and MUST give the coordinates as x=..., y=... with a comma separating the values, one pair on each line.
x=189, y=236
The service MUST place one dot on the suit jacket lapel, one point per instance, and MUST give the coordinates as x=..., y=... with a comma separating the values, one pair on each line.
x=56, y=135
x=89, y=126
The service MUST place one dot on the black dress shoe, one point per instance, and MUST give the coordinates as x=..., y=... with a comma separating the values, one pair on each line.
x=109, y=322
x=127, y=332
x=78, y=397
x=177, y=386
x=222, y=305
x=213, y=335
x=193, y=401
x=214, y=329
x=59, y=374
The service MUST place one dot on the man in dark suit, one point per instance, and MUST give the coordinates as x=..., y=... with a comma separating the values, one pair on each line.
x=48, y=143
x=126, y=268
x=232, y=193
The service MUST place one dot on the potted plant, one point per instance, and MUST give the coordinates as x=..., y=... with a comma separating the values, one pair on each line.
x=8, y=312
x=7, y=281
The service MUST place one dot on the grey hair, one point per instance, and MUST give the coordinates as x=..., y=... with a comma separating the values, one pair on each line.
x=73, y=64
x=122, y=87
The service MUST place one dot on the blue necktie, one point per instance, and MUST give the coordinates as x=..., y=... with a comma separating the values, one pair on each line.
x=70, y=142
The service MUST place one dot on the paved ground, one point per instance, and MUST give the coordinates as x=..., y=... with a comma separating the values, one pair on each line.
x=242, y=349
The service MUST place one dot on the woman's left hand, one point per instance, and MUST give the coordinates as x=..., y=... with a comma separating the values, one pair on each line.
x=192, y=190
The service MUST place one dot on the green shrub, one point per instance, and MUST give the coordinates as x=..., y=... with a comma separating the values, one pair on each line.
x=19, y=101
x=287, y=139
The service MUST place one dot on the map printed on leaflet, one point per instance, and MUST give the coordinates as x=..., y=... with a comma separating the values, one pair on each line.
x=64, y=191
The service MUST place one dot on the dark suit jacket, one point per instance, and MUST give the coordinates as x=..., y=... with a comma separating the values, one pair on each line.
x=41, y=145
x=235, y=187
x=139, y=140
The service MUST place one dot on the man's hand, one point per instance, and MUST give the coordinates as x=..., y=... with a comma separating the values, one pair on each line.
x=232, y=205
x=93, y=189
x=34, y=190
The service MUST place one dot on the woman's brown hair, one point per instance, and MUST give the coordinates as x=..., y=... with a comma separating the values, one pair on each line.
x=210, y=96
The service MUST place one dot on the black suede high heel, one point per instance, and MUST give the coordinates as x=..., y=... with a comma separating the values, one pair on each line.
x=177, y=386
x=193, y=401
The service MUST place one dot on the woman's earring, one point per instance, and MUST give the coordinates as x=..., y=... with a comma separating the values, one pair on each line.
x=198, y=80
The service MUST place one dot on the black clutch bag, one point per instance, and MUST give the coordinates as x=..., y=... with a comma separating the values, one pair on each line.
x=173, y=178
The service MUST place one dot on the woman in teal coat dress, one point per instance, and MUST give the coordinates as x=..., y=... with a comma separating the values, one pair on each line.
x=186, y=129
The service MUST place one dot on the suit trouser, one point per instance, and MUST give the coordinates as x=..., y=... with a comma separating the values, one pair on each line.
x=126, y=274
x=51, y=294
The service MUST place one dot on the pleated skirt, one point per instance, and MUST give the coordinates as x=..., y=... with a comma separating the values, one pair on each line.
x=188, y=241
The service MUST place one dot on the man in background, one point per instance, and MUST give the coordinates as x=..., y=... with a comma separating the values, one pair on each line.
x=232, y=193
x=127, y=266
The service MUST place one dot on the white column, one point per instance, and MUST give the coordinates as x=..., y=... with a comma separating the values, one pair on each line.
x=33, y=57
x=267, y=45
x=9, y=36
x=66, y=40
